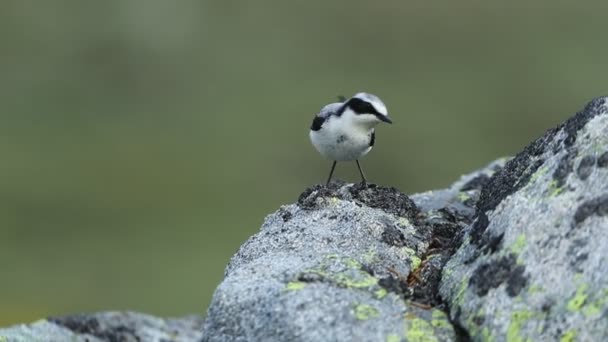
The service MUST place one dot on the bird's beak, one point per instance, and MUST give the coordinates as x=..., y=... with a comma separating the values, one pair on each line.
x=385, y=118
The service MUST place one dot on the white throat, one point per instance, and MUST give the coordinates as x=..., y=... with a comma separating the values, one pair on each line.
x=359, y=122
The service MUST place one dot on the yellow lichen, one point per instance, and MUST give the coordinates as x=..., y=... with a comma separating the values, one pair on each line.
x=459, y=298
x=463, y=196
x=411, y=254
x=295, y=286
x=380, y=293
x=520, y=243
x=554, y=190
x=440, y=319
x=487, y=335
x=569, y=336
x=393, y=338
x=518, y=319
x=364, y=312
x=577, y=302
x=540, y=172
x=419, y=330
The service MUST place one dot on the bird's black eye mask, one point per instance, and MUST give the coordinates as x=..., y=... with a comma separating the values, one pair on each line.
x=359, y=107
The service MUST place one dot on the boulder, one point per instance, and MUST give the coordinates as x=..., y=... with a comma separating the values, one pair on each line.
x=347, y=262
x=107, y=327
x=533, y=265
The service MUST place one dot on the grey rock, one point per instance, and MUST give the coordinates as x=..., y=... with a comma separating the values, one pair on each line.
x=533, y=264
x=107, y=327
x=335, y=267
x=512, y=252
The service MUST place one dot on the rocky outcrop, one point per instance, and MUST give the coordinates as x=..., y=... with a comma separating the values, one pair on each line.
x=346, y=262
x=533, y=264
x=107, y=327
x=512, y=252
x=522, y=240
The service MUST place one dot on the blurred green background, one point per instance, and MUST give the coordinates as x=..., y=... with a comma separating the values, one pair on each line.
x=143, y=141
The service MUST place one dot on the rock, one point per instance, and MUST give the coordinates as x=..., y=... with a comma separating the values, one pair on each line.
x=533, y=265
x=347, y=262
x=107, y=327
x=512, y=252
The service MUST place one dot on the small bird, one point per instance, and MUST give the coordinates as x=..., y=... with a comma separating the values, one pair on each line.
x=344, y=130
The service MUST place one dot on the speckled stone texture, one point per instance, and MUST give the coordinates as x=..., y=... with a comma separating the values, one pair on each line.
x=533, y=266
x=106, y=327
x=347, y=263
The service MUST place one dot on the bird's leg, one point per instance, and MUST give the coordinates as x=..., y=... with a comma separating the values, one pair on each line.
x=331, y=172
x=363, y=180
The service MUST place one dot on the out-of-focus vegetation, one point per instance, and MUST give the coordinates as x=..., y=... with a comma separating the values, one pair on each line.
x=143, y=141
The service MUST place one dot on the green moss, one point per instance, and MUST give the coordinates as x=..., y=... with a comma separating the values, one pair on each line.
x=295, y=286
x=569, y=336
x=419, y=330
x=577, y=302
x=393, y=338
x=518, y=319
x=520, y=243
x=363, y=312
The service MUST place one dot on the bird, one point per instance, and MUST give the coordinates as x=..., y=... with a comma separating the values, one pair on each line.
x=345, y=130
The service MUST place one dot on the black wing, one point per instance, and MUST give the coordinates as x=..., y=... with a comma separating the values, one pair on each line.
x=373, y=139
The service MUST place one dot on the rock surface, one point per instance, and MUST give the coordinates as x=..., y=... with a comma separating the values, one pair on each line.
x=512, y=252
x=533, y=266
x=107, y=327
x=347, y=262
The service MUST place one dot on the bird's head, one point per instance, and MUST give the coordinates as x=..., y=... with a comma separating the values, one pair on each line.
x=366, y=110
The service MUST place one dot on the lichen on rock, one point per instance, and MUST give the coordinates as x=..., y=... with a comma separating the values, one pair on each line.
x=514, y=251
x=535, y=255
